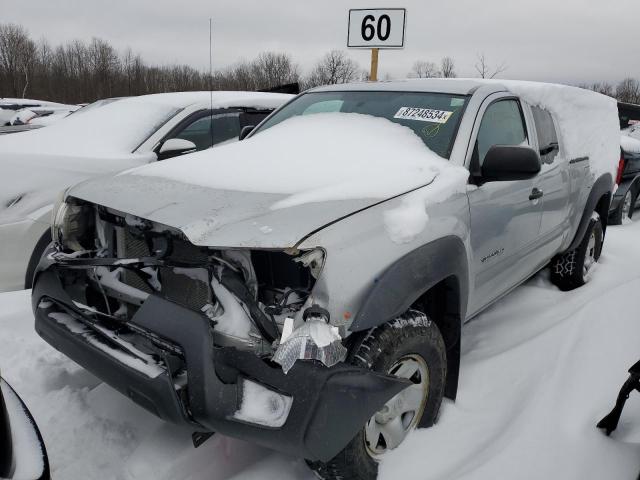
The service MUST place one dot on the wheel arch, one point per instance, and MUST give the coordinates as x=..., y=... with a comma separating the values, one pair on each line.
x=41, y=245
x=598, y=201
x=433, y=278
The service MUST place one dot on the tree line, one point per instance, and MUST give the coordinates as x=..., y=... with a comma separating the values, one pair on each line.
x=84, y=71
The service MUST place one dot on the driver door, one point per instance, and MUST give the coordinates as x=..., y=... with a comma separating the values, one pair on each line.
x=506, y=215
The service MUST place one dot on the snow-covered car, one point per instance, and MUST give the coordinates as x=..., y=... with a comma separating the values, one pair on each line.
x=305, y=289
x=36, y=166
x=625, y=199
x=23, y=455
x=42, y=116
x=9, y=107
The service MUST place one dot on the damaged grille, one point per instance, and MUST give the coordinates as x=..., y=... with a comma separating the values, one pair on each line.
x=180, y=288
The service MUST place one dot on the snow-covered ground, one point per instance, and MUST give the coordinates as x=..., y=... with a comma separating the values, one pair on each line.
x=539, y=369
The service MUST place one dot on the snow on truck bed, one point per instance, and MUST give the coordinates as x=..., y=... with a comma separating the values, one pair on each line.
x=539, y=369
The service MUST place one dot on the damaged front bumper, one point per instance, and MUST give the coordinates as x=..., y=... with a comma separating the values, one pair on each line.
x=323, y=407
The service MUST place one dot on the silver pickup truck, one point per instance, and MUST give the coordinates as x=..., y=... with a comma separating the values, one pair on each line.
x=305, y=289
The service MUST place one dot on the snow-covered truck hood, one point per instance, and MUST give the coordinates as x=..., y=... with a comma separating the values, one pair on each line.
x=275, y=188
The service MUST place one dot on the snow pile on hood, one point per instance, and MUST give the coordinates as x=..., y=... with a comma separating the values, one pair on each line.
x=316, y=158
x=587, y=121
x=629, y=144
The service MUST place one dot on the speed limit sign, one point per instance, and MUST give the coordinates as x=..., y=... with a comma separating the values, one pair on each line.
x=376, y=28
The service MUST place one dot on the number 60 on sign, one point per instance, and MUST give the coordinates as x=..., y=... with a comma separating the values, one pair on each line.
x=376, y=28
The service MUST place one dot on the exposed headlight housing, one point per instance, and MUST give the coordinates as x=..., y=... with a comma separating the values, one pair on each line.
x=71, y=224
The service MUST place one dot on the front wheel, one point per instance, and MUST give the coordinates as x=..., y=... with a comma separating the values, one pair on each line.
x=410, y=347
x=573, y=269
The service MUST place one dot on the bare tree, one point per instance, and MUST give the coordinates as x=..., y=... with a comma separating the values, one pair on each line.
x=600, y=87
x=17, y=59
x=424, y=69
x=485, y=70
x=335, y=67
x=628, y=91
x=271, y=69
x=448, y=68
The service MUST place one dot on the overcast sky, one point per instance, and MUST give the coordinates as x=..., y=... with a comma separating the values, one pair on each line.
x=570, y=41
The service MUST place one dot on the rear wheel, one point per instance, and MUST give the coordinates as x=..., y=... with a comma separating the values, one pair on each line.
x=573, y=269
x=625, y=209
x=410, y=347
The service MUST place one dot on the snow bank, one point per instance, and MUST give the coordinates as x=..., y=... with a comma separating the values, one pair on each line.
x=587, y=121
x=538, y=371
x=629, y=144
x=316, y=158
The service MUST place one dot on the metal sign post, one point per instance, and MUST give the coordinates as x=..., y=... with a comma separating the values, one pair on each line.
x=376, y=29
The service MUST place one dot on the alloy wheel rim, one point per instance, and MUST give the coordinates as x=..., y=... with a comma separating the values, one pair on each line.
x=590, y=256
x=388, y=427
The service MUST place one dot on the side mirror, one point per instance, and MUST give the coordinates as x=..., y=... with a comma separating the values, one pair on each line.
x=246, y=131
x=507, y=163
x=174, y=147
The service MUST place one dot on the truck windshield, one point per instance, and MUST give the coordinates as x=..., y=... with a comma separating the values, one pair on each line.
x=434, y=117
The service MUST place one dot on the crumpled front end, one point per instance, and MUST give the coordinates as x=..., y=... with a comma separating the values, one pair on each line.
x=190, y=333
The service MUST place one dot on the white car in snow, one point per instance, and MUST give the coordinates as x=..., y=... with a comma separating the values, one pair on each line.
x=36, y=166
x=9, y=108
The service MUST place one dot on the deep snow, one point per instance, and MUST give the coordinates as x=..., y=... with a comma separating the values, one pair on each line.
x=539, y=369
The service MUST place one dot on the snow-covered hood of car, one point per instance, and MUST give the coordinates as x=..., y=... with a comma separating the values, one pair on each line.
x=35, y=179
x=275, y=188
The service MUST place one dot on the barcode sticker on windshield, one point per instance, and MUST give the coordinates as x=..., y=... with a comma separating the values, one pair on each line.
x=423, y=115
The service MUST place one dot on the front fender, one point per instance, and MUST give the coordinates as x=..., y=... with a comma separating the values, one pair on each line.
x=410, y=277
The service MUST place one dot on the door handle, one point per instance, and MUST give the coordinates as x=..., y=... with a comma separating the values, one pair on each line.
x=536, y=193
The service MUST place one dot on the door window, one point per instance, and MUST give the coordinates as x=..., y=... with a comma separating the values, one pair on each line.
x=547, y=136
x=502, y=124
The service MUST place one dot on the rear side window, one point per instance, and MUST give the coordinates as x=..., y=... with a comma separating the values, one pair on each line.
x=502, y=124
x=547, y=136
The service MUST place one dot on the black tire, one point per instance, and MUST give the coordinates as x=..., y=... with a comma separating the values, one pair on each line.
x=411, y=334
x=618, y=215
x=39, y=249
x=568, y=269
